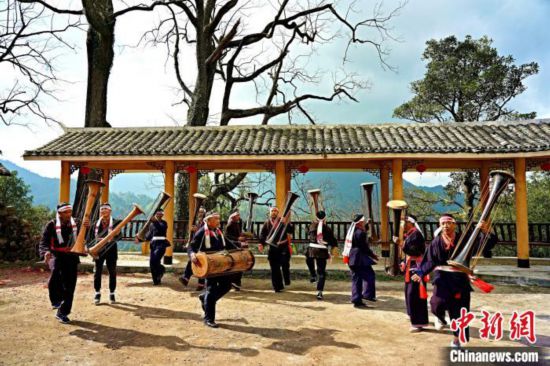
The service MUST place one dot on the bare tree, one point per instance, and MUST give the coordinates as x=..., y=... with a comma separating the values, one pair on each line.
x=101, y=17
x=265, y=46
x=29, y=43
x=225, y=47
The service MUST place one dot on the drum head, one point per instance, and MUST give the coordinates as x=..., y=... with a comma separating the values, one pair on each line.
x=200, y=269
x=397, y=204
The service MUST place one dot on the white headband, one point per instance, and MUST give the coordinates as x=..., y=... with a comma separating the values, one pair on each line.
x=211, y=214
x=64, y=208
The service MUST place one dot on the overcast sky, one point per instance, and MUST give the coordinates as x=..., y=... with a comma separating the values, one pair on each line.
x=141, y=89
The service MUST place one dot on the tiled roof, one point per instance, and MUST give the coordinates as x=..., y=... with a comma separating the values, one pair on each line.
x=426, y=138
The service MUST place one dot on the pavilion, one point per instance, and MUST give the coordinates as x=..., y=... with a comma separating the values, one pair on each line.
x=388, y=149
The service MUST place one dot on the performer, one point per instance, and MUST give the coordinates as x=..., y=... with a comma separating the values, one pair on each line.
x=279, y=257
x=321, y=238
x=416, y=297
x=360, y=259
x=233, y=234
x=102, y=228
x=188, y=273
x=159, y=243
x=55, y=245
x=451, y=290
x=209, y=237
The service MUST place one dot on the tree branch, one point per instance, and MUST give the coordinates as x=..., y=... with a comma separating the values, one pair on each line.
x=211, y=27
x=216, y=54
x=53, y=8
x=144, y=7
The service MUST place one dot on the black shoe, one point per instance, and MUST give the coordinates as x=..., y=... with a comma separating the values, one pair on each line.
x=211, y=324
x=320, y=295
x=278, y=290
x=359, y=305
x=57, y=305
x=287, y=283
x=64, y=319
x=112, y=299
x=97, y=299
x=201, y=298
x=313, y=279
x=184, y=281
x=156, y=283
x=371, y=299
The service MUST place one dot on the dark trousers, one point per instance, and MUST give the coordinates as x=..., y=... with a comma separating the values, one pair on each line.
x=216, y=288
x=62, y=281
x=188, y=272
x=321, y=270
x=157, y=269
x=111, y=268
x=362, y=283
x=417, y=308
x=280, y=269
x=237, y=279
x=441, y=302
x=285, y=267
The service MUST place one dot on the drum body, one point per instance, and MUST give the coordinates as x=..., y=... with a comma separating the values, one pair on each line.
x=223, y=263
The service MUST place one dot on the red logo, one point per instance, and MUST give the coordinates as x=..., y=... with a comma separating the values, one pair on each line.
x=462, y=323
x=523, y=325
x=492, y=326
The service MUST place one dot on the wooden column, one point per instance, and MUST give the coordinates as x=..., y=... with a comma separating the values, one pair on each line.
x=193, y=188
x=65, y=182
x=483, y=183
x=397, y=179
x=522, y=226
x=169, y=175
x=384, y=198
x=105, y=190
x=282, y=184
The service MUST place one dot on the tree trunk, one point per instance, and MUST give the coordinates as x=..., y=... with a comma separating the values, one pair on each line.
x=198, y=112
x=182, y=197
x=469, y=184
x=99, y=45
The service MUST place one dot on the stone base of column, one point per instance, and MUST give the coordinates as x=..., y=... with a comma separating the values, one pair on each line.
x=523, y=263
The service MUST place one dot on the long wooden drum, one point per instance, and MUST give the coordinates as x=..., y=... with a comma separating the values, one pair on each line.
x=223, y=263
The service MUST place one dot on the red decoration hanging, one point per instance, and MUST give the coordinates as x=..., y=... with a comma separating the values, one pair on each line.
x=545, y=166
x=190, y=169
x=421, y=168
x=303, y=169
x=85, y=170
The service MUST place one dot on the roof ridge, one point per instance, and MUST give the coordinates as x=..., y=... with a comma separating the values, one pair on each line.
x=320, y=126
x=323, y=126
x=451, y=137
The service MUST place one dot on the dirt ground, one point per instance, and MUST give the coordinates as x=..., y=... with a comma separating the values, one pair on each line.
x=162, y=324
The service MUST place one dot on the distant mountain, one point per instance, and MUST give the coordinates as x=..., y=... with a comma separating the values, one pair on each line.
x=346, y=194
x=142, y=183
x=341, y=189
x=45, y=191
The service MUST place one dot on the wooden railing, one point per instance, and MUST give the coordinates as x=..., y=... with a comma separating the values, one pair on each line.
x=539, y=233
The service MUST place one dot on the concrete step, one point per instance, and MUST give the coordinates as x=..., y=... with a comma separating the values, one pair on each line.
x=494, y=270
